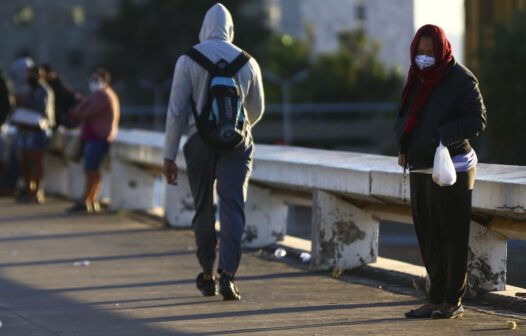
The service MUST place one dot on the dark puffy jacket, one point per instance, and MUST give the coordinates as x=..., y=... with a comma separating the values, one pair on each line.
x=454, y=113
x=64, y=101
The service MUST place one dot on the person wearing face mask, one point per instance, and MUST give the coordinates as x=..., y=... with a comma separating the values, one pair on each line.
x=34, y=118
x=441, y=103
x=100, y=114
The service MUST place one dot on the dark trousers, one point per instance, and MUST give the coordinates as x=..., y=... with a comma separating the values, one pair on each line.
x=230, y=171
x=442, y=217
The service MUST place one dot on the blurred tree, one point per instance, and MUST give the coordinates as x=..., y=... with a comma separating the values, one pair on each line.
x=146, y=37
x=504, y=84
x=283, y=56
x=353, y=73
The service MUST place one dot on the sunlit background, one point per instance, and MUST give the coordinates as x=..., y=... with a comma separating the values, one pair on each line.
x=333, y=69
x=448, y=14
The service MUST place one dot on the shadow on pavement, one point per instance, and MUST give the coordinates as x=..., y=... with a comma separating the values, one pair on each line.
x=53, y=314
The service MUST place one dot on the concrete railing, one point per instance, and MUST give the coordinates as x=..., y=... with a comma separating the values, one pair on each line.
x=349, y=194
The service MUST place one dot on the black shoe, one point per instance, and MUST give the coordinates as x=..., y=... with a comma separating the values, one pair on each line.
x=228, y=288
x=448, y=312
x=79, y=208
x=206, y=287
x=424, y=311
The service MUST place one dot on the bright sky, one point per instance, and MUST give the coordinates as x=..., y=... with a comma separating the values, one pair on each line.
x=448, y=14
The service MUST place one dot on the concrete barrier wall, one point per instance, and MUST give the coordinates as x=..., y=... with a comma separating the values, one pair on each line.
x=349, y=193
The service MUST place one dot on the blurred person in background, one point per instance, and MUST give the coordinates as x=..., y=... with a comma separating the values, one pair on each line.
x=6, y=98
x=7, y=102
x=34, y=117
x=65, y=97
x=441, y=103
x=99, y=114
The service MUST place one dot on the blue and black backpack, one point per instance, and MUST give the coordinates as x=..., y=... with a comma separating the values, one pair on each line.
x=222, y=122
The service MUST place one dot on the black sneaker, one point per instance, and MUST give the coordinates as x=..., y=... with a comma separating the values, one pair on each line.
x=79, y=208
x=228, y=288
x=206, y=287
x=424, y=311
x=448, y=312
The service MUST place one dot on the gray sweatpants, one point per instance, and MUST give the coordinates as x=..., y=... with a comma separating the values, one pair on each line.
x=230, y=169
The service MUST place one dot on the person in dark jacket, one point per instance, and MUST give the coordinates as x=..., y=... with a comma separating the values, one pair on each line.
x=441, y=103
x=6, y=98
x=65, y=97
x=7, y=182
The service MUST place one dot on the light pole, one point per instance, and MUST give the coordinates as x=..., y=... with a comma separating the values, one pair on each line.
x=286, y=85
x=157, y=90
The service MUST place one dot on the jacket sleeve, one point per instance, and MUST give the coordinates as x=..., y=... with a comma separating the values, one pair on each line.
x=178, y=108
x=472, y=112
x=255, y=99
x=399, y=125
x=6, y=99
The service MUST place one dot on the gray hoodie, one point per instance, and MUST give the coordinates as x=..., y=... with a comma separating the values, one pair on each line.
x=191, y=80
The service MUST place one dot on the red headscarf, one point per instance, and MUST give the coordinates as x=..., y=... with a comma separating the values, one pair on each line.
x=430, y=77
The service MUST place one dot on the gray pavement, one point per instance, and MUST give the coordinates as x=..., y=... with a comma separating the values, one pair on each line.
x=140, y=281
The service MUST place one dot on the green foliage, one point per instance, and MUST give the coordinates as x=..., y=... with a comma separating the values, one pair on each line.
x=283, y=56
x=146, y=37
x=352, y=73
x=503, y=81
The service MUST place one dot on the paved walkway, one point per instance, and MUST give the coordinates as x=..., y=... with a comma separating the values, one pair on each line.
x=140, y=281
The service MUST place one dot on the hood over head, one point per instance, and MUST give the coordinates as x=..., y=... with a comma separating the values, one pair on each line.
x=217, y=24
x=442, y=47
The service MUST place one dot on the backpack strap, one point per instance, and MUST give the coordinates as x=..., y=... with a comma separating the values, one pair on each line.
x=202, y=60
x=238, y=63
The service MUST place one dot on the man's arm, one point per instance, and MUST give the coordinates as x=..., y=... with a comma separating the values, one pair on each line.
x=176, y=117
x=255, y=99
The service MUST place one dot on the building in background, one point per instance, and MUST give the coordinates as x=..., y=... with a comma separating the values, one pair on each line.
x=391, y=23
x=62, y=33
x=482, y=17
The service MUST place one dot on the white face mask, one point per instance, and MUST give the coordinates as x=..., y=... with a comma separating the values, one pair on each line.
x=424, y=61
x=95, y=86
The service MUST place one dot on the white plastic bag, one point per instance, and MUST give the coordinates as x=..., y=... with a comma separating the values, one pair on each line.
x=444, y=173
x=28, y=117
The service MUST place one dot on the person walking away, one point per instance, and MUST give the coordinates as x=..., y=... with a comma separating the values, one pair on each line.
x=214, y=81
x=441, y=103
x=100, y=114
x=34, y=117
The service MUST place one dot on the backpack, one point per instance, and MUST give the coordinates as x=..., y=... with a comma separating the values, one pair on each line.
x=222, y=122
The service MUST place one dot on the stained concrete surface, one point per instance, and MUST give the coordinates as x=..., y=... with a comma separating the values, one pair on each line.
x=140, y=281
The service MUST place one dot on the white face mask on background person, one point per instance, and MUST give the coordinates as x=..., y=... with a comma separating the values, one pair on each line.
x=424, y=61
x=95, y=86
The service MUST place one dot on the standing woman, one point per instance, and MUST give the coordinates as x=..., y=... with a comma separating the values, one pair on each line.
x=441, y=102
x=100, y=115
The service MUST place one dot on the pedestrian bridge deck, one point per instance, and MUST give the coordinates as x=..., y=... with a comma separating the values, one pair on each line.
x=140, y=281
